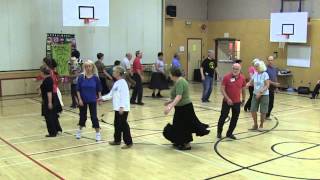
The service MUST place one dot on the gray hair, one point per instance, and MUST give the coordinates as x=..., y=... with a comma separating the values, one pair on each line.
x=119, y=69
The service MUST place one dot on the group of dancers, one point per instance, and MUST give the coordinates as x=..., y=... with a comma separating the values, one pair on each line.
x=89, y=87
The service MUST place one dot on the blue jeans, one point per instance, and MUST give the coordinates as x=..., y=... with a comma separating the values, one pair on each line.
x=207, y=88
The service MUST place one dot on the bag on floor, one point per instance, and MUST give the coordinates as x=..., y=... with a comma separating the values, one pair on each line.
x=303, y=90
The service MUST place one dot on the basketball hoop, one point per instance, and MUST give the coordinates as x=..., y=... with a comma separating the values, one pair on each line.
x=282, y=44
x=88, y=21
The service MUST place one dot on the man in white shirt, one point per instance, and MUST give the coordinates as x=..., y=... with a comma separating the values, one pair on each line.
x=125, y=63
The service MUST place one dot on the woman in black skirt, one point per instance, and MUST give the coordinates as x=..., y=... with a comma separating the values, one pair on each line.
x=50, y=103
x=185, y=121
x=158, y=77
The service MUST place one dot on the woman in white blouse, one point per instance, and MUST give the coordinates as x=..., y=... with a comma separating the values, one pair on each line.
x=121, y=105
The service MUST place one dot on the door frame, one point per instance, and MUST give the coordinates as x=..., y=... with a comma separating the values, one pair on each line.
x=188, y=52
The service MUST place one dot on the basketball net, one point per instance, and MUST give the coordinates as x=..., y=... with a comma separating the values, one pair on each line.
x=89, y=21
x=282, y=45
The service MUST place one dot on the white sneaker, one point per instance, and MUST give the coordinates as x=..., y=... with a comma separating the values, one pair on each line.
x=78, y=134
x=98, y=137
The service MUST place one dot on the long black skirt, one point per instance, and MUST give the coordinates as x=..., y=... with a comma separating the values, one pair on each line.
x=158, y=81
x=185, y=122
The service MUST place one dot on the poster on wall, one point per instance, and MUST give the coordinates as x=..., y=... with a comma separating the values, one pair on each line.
x=61, y=53
x=59, y=47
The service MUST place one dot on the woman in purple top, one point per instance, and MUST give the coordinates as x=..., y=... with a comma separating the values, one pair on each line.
x=88, y=88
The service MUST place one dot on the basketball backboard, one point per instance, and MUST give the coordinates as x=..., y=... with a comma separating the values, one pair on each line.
x=75, y=12
x=289, y=27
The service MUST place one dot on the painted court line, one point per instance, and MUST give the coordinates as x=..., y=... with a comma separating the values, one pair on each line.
x=33, y=160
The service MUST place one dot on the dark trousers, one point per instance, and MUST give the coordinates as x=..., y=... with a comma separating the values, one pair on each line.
x=316, y=91
x=224, y=114
x=105, y=89
x=271, y=102
x=248, y=103
x=93, y=114
x=74, y=95
x=52, y=121
x=138, y=89
x=121, y=128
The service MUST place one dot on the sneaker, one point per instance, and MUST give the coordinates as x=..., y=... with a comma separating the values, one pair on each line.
x=127, y=146
x=98, y=137
x=232, y=137
x=114, y=143
x=78, y=134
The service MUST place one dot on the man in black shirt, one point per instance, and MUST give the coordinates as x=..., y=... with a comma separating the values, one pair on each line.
x=208, y=70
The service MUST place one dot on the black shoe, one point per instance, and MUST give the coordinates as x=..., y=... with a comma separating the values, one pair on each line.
x=114, y=143
x=159, y=95
x=140, y=103
x=133, y=102
x=153, y=95
x=232, y=137
x=184, y=147
x=203, y=132
x=51, y=135
x=219, y=136
x=312, y=97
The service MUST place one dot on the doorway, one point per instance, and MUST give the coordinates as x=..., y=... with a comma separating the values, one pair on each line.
x=194, y=57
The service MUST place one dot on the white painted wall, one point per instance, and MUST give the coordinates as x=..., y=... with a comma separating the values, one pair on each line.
x=134, y=25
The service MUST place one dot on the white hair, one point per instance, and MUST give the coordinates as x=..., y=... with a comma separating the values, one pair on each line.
x=260, y=64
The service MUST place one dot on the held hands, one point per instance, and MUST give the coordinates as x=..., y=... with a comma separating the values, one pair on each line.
x=202, y=78
x=50, y=106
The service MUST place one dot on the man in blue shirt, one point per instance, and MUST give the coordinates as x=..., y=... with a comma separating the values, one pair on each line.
x=176, y=61
x=272, y=72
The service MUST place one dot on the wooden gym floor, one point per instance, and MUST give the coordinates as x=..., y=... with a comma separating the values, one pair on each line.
x=288, y=148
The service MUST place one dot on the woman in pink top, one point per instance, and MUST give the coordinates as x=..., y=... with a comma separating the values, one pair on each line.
x=251, y=71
